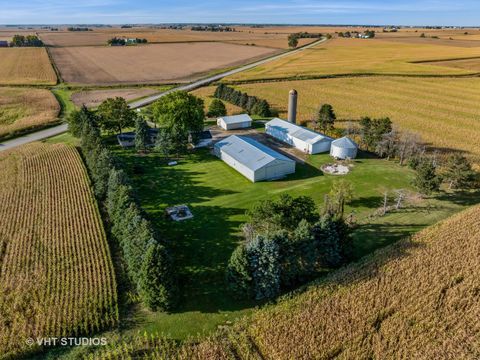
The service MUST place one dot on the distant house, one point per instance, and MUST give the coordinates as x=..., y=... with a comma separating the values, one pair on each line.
x=3, y=43
x=252, y=159
x=298, y=136
x=344, y=148
x=204, y=139
x=235, y=122
x=127, y=139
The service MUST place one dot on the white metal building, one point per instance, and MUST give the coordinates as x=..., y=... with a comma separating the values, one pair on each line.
x=344, y=148
x=235, y=122
x=300, y=137
x=252, y=159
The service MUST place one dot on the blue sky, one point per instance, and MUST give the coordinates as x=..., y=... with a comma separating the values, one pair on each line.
x=421, y=12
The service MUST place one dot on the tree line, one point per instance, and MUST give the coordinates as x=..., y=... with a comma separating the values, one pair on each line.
x=115, y=41
x=294, y=37
x=26, y=41
x=289, y=242
x=213, y=28
x=252, y=104
x=72, y=28
x=148, y=260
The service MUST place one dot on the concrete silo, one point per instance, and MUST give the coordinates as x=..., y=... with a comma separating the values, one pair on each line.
x=292, y=106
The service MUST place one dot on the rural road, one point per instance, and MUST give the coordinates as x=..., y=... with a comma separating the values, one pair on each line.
x=35, y=136
x=56, y=130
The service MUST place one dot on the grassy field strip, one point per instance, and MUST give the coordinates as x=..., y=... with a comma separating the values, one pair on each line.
x=440, y=110
x=56, y=273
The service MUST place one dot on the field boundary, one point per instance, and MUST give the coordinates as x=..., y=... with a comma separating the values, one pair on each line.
x=346, y=75
x=54, y=66
x=443, y=60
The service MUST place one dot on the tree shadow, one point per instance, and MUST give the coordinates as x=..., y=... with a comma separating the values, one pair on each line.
x=461, y=197
x=371, y=202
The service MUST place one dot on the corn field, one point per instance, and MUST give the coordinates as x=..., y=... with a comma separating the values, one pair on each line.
x=417, y=299
x=56, y=273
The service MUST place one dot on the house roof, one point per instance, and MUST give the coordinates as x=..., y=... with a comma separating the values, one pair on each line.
x=249, y=152
x=297, y=131
x=345, y=142
x=235, y=119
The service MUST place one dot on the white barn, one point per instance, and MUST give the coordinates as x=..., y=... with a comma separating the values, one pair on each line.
x=344, y=148
x=235, y=122
x=300, y=137
x=252, y=159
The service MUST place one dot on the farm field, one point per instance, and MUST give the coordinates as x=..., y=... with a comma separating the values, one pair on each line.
x=93, y=98
x=467, y=64
x=56, y=273
x=26, y=66
x=22, y=109
x=219, y=197
x=151, y=63
x=360, y=56
x=443, y=111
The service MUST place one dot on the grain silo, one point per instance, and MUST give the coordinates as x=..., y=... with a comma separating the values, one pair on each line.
x=344, y=148
x=292, y=106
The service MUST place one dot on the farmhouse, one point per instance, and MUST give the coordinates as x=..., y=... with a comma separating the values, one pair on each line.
x=235, y=122
x=344, y=148
x=300, y=137
x=127, y=139
x=252, y=159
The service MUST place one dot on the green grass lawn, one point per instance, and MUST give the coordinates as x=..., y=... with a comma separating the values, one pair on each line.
x=219, y=196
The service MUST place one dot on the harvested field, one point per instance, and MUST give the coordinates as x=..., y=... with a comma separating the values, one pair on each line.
x=56, y=274
x=161, y=63
x=22, y=109
x=206, y=93
x=24, y=66
x=94, y=98
x=272, y=43
x=444, y=111
x=360, y=56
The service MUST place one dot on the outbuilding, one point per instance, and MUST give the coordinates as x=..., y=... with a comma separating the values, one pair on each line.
x=233, y=122
x=344, y=148
x=252, y=159
x=304, y=139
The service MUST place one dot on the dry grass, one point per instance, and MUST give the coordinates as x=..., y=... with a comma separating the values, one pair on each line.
x=160, y=63
x=56, y=274
x=22, y=109
x=444, y=111
x=21, y=66
x=206, y=93
x=360, y=56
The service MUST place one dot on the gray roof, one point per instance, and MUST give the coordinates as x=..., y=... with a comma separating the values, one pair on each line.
x=345, y=142
x=249, y=152
x=235, y=119
x=297, y=131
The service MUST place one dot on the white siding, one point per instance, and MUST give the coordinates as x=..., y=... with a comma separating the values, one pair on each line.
x=242, y=169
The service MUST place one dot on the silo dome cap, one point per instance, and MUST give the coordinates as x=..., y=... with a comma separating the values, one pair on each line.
x=293, y=92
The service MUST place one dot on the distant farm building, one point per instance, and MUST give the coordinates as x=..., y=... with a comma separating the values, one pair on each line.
x=235, y=122
x=300, y=137
x=3, y=43
x=252, y=159
x=127, y=139
x=204, y=139
x=344, y=148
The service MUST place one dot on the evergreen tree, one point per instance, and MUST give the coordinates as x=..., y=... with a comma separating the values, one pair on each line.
x=326, y=117
x=156, y=279
x=164, y=143
x=263, y=258
x=216, y=108
x=141, y=134
x=458, y=172
x=261, y=108
x=238, y=275
x=426, y=179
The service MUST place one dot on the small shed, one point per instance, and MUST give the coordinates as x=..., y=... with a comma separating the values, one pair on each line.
x=204, y=139
x=235, y=122
x=304, y=139
x=252, y=159
x=344, y=148
x=3, y=43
